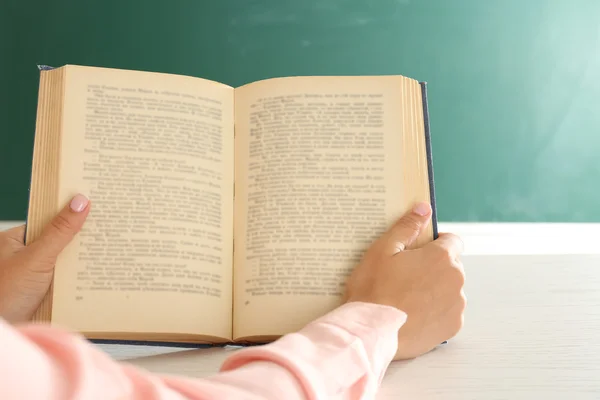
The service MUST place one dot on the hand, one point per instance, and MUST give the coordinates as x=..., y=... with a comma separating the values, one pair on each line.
x=425, y=283
x=26, y=271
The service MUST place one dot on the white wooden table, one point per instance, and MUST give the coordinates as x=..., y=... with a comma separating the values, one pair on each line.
x=532, y=331
x=532, y=326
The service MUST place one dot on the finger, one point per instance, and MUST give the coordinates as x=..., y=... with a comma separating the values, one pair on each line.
x=17, y=233
x=450, y=243
x=457, y=276
x=11, y=241
x=460, y=267
x=406, y=230
x=61, y=230
x=13, y=237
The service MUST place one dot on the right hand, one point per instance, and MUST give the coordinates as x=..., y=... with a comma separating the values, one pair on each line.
x=425, y=283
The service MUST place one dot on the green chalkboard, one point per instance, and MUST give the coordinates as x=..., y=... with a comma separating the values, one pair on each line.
x=514, y=85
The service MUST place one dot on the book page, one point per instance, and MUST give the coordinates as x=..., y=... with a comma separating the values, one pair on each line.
x=154, y=153
x=323, y=166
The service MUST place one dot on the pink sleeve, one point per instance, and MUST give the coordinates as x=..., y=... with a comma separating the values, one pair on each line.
x=342, y=355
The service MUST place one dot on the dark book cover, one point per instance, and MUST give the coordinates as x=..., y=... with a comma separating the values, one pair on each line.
x=434, y=220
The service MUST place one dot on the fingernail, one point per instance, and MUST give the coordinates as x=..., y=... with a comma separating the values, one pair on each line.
x=79, y=203
x=422, y=209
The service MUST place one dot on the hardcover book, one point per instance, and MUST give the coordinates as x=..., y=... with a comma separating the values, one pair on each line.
x=219, y=214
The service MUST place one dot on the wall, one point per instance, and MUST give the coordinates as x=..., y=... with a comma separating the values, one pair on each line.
x=514, y=86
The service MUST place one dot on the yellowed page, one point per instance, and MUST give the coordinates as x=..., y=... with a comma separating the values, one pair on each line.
x=44, y=171
x=154, y=152
x=323, y=166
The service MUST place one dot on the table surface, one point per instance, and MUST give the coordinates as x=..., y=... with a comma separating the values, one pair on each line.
x=531, y=331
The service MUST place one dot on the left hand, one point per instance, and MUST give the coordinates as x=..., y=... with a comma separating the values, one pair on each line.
x=26, y=271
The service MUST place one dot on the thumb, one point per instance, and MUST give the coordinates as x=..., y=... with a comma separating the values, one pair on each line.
x=407, y=229
x=61, y=230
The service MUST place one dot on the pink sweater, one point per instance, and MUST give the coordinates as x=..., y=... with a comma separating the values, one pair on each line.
x=342, y=355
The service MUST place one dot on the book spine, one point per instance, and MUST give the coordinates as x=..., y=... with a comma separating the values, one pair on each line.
x=434, y=220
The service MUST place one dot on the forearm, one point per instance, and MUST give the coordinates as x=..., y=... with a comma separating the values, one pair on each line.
x=342, y=355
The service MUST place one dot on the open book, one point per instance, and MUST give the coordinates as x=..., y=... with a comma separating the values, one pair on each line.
x=219, y=215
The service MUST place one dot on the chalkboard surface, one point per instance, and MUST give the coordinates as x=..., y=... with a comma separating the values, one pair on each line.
x=514, y=85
